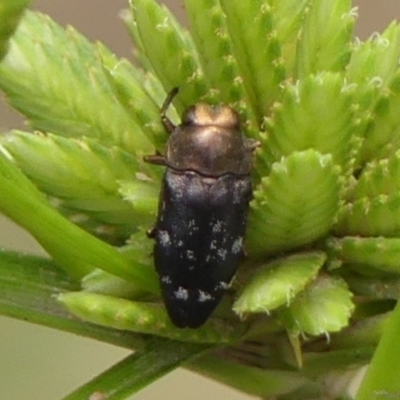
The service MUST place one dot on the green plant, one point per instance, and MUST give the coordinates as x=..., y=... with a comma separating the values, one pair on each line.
x=315, y=298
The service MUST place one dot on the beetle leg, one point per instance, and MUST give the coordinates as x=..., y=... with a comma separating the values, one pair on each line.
x=157, y=159
x=167, y=123
x=151, y=233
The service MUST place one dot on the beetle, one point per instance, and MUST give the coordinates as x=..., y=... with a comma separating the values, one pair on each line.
x=203, y=207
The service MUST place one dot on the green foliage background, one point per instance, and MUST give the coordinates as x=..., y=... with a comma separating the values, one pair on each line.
x=323, y=237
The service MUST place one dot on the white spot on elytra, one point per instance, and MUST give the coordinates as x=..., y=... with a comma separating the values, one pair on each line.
x=165, y=240
x=180, y=243
x=237, y=245
x=213, y=245
x=222, y=253
x=181, y=294
x=190, y=255
x=222, y=285
x=192, y=226
x=166, y=279
x=217, y=226
x=204, y=296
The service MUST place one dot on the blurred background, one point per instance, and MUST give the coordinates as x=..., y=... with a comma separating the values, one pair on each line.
x=38, y=363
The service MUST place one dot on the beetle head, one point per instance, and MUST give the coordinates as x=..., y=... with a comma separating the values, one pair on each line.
x=210, y=142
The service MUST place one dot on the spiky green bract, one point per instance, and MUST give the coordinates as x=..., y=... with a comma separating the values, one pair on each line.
x=316, y=113
x=56, y=78
x=138, y=253
x=75, y=250
x=278, y=282
x=257, y=51
x=103, y=282
x=382, y=137
x=210, y=34
x=324, y=306
x=374, y=68
x=375, y=61
x=295, y=205
x=370, y=217
x=324, y=43
x=288, y=17
x=88, y=179
x=27, y=285
x=170, y=51
x=10, y=14
x=375, y=252
x=133, y=89
x=142, y=194
x=146, y=318
x=380, y=177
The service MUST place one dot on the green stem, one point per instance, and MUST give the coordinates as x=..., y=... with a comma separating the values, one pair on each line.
x=251, y=380
x=27, y=288
x=138, y=370
x=75, y=250
x=382, y=378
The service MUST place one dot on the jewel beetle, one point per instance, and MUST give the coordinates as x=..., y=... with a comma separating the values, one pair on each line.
x=203, y=209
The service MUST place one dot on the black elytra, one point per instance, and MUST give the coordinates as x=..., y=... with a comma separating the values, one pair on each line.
x=203, y=209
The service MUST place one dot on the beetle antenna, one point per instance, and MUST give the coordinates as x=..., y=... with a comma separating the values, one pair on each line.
x=167, y=123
